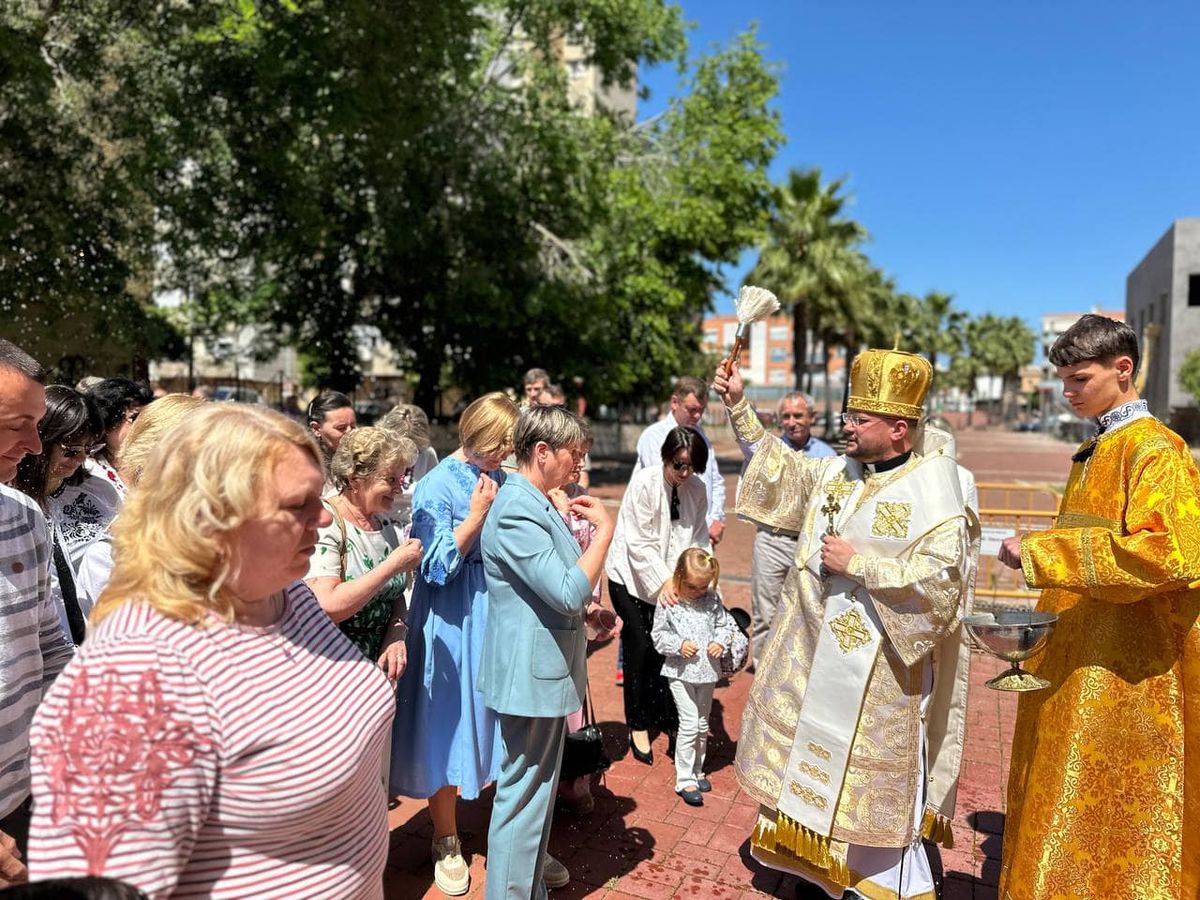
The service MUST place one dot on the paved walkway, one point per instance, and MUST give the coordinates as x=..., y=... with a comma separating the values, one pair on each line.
x=641, y=841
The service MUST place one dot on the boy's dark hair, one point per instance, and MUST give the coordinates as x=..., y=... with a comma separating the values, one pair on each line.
x=1096, y=338
x=15, y=359
x=688, y=439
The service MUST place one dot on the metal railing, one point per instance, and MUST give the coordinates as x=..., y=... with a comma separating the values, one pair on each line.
x=1006, y=509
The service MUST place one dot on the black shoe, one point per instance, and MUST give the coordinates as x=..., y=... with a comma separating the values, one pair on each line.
x=692, y=797
x=671, y=745
x=704, y=784
x=647, y=757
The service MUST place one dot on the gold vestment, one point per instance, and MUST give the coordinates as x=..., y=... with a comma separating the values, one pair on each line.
x=1104, y=789
x=921, y=599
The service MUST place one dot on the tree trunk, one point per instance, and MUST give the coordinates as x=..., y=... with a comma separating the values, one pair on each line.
x=800, y=343
x=828, y=396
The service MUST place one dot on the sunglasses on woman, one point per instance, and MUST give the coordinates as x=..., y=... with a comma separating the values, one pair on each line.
x=70, y=451
x=680, y=466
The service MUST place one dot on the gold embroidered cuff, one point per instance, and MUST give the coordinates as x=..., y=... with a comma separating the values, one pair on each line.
x=856, y=568
x=1027, y=561
x=745, y=422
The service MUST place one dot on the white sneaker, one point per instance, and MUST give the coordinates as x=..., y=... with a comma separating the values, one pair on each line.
x=450, y=872
x=554, y=873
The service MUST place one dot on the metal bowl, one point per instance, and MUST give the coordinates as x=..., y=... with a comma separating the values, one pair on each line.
x=1014, y=636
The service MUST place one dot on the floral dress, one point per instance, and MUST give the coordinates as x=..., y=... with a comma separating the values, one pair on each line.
x=444, y=734
x=362, y=551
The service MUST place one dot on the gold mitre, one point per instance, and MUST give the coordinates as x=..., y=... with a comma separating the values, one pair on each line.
x=890, y=383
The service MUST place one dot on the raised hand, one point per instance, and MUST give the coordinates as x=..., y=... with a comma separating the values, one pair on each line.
x=729, y=384
x=483, y=496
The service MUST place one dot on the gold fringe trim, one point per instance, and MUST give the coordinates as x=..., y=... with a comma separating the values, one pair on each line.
x=936, y=827
x=788, y=838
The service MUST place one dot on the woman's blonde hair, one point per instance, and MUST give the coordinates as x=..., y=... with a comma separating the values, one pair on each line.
x=152, y=425
x=171, y=540
x=408, y=421
x=487, y=425
x=694, y=563
x=368, y=451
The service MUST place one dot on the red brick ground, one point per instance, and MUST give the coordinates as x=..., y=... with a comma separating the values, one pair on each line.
x=641, y=841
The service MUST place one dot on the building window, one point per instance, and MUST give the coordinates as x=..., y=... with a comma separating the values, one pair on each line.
x=710, y=338
x=778, y=376
x=1194, y=289
x=779, y=354
x=781, y=333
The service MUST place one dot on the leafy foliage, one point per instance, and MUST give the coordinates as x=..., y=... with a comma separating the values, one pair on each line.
x=318, y=166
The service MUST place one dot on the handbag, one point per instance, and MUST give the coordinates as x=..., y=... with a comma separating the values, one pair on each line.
x=583, y=750
x=738, y=652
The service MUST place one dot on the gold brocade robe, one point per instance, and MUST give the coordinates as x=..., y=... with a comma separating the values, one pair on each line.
x=1104, y=789
x=921, y=601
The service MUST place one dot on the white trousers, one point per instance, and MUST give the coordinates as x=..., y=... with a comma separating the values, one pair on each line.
x=693, y=703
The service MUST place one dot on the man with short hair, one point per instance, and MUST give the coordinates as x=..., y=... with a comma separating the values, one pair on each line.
x=851, y=736
x=1103, y=782
x=33, y=649
x=534, y=383
x=775, y=548
x=689, y=399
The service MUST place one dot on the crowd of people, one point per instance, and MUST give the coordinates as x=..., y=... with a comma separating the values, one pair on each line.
x=229, y=638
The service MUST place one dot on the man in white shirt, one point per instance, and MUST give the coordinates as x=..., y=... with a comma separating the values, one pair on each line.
x=688, y=403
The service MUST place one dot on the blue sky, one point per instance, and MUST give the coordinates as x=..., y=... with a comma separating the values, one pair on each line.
x=1023, y=156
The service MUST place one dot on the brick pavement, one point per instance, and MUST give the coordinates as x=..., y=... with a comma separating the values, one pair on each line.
x=642, y=841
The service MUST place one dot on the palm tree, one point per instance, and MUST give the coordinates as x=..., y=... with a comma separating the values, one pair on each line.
x=809, y=256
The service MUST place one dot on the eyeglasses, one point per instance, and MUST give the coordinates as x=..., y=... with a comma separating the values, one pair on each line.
x=70, y=451
x=856, y=420
x=680, y=466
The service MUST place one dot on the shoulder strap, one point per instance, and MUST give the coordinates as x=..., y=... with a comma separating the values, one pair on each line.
x=343, y=546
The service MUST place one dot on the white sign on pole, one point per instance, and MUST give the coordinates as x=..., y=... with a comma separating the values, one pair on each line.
x=992, y=537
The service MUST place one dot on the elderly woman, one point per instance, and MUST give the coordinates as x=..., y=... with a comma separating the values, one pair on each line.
x=445, y=739
x=357, y=571
x=534, y=664
x=663, y=514
x=94, y=558
x=411, y=422
x=84, y=510
x=202, y=677
x=70, y=431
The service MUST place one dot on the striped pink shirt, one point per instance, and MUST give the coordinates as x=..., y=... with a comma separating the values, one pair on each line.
x=230, y=761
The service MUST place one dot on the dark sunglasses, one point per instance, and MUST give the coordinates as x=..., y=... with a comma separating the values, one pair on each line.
x=70, y=451
x=680, y=466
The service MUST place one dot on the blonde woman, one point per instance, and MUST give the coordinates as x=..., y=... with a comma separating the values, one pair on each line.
x=358, y=569
x=234, y=713
x=445, y=739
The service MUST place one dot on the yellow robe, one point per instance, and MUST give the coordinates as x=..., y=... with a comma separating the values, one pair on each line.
x=1104, y=790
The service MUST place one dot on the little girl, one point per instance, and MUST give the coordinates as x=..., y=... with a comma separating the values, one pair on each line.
x=693, y=636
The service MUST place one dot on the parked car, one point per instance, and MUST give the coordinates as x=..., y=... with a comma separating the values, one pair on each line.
x=241, y=395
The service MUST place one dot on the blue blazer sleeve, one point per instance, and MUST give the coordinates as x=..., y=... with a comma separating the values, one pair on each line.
x=523, y=544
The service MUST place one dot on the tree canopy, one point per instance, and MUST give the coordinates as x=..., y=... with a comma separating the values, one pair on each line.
x=416, y=165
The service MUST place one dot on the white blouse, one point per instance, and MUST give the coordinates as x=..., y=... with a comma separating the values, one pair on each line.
x=646, y=543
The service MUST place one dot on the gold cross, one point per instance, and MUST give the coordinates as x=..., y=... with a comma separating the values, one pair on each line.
x=832, y=507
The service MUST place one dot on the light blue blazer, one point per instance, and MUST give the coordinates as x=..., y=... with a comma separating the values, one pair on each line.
x=535, y=649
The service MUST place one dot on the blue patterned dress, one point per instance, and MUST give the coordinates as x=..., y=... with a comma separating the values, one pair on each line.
x=443, y=733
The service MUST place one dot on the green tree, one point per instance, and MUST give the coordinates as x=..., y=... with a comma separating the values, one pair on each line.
x=997, y=346
x=318, y=166
x=1189, y=374
x=809, y=258
x=72, y=262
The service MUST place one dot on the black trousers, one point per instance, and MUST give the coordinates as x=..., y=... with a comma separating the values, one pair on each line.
x=648, y=702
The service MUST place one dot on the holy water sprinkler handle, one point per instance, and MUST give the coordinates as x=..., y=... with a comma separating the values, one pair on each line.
x=739, y=342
